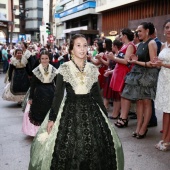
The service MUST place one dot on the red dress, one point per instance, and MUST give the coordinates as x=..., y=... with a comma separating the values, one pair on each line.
x=108, y=93
x=120, y=71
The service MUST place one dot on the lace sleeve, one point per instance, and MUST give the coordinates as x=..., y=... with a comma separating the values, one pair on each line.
x=95, y=90
x=58, y=97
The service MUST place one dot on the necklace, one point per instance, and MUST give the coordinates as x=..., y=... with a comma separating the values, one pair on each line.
x=81, y=70
x=46, y=72
x=81, y=74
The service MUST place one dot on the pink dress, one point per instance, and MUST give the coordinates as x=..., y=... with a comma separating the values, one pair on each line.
x=27, y=127
x=120, y=71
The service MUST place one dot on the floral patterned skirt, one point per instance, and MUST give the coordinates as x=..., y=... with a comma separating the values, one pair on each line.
x=7, y=95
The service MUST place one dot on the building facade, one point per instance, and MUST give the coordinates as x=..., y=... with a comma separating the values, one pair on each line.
x=9, y=25
x=76, y=16
x=118, y=14
x=33, y=19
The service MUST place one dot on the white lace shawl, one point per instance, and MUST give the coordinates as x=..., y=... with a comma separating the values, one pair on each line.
x=18, y=63
x=70, y=74
x=27, y=54
x=39, y=73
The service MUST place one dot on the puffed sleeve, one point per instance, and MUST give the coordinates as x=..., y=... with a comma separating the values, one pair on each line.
x=95, y=91
x=58, y=97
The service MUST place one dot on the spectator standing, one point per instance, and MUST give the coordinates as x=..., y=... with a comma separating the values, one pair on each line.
x=153, y=120
x=140, y=83
x=9, y=55
x=5, y=58
x=107, y=91
x=162, y=100
x=116, y=46
x=122, y=68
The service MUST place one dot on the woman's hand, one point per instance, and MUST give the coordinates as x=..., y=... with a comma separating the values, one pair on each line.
x=106, y=74
x=101, y=54
x=98, y=56
x=30, y=101
x=89, y=57
x=156, y=62
x=50, y=126
x=133, y=58
x=110, y=56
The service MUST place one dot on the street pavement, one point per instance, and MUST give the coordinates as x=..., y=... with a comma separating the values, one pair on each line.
x=139, y=154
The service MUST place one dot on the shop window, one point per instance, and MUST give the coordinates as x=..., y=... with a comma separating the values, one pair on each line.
x=3, y=6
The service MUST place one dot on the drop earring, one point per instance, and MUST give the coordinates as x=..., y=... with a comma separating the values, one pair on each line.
x=72, y=57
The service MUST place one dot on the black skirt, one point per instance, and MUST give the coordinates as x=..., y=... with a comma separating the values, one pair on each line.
x=20, y=82
x=41, y=102
x=84, y=141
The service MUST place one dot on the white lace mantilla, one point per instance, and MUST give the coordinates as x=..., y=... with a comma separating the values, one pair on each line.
x=27, y=54
x=39, y=73
x=72, y=75
x=18, y=63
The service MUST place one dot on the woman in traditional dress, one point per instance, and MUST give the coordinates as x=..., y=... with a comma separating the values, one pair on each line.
x=76, y=134
x=18, y=77
x=40, y=95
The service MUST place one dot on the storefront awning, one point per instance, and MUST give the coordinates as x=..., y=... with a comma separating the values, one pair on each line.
x=59, y=8
x=81, y=7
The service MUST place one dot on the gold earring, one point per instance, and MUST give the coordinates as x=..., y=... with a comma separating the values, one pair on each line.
x=72, y=57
